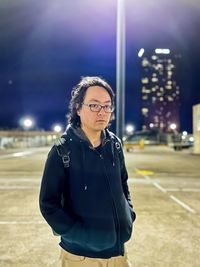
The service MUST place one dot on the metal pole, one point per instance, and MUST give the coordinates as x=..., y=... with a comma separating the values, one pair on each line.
x=120, y=72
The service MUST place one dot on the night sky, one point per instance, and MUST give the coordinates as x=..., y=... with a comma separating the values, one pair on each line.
x=46, y=46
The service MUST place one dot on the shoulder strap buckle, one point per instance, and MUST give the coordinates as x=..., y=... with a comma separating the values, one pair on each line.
x=66, y=160
x=63, y=150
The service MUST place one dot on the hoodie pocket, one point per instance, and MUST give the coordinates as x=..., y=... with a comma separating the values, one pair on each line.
x=96, y=235
x=101, y=234
x=126, y=221
x=76, y=235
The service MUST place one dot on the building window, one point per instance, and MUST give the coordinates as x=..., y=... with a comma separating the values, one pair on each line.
x=145, y=110
x=145, y=80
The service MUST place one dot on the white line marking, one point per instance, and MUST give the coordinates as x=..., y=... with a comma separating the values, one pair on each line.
x=160, y=187
x=137, y=181
x=21, y=222
x=21, y=154
x=181, y=203
x=147, y=177
x=182, y=190
x=8, y=180
x=17, y=154
x=13, y=187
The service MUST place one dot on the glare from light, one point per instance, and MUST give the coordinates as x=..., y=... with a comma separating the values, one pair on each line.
x=129, y=128
x=151, y=125
x=57, y=128
x=166, y=51
x=191, y=139
x=162, y=51
x=124, y=138
x=185, y=133
x=173, y=126
x=28, y=123
x=141, y=52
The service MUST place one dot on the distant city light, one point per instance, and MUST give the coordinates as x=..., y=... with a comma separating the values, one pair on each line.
x=185, y=133
x=173, y=126
x=57, y=128
x=162, y=51
x=130, y=128
x=151, y=125
x=141, y=52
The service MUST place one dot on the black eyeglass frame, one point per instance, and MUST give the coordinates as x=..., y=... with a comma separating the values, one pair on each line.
x=100, y=107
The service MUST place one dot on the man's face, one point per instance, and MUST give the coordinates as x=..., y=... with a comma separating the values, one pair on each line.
x=90, y=120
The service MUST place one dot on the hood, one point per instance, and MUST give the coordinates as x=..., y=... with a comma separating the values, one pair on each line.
x=81, y=135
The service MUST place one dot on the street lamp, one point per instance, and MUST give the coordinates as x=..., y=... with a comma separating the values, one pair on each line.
x=185, y=133
x=57, y=128
x=120, y=71
x=129, y=129
x=173, y=126
x=151, y=125
x=27, y=123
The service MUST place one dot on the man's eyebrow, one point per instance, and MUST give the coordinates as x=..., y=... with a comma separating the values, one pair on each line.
x=96, y=100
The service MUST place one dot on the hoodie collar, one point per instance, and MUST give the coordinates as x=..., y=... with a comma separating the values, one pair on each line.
x=81, y=135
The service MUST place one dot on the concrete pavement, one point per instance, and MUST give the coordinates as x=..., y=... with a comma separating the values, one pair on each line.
x=164, y=185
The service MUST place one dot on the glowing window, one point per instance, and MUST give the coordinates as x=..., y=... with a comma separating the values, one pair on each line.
x=145, y=80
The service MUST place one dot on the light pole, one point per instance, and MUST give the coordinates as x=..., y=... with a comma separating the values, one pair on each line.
x=120, y=71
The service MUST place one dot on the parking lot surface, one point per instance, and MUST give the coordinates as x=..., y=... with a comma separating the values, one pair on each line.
x=165, y=188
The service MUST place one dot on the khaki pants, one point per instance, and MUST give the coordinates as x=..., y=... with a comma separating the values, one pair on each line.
x=71, y=260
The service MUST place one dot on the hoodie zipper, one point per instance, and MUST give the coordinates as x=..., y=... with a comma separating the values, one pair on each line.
x=113, y=202
x=116, y=219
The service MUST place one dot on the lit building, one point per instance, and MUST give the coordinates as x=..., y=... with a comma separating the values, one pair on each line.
x=159, y=89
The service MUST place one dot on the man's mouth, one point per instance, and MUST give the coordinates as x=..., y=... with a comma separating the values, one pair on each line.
x=101, y=121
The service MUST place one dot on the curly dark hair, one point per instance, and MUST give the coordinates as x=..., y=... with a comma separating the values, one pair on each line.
x=78, y=95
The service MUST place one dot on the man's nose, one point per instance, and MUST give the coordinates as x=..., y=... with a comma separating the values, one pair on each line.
x=101, y=111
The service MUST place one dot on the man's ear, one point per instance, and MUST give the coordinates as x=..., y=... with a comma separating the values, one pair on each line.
x=78, y=109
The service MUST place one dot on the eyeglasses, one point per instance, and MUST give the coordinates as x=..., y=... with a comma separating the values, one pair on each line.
x=97, y=107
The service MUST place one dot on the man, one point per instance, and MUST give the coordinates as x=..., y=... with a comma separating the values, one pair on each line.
x=88, y=203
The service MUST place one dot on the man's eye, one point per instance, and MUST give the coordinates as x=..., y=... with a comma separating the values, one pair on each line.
x=94, y=105
x=108, y=107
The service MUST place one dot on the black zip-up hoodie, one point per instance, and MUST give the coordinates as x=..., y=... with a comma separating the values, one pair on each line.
x=88, y=204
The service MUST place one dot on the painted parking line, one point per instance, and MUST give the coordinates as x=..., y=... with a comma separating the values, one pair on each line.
x=181, y=203
x=17, y=154
x=20, y=180
x=163, y=190
x=138, y=181
x=21, y=222
x=146, y=180
x=159, y=187
x=195, y=190
x=17, y=187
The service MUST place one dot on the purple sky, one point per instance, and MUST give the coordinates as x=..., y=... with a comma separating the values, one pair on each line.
x=46, y=46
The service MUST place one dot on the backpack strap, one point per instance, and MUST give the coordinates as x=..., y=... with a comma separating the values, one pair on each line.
x=116, y=143
x=63, y=150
